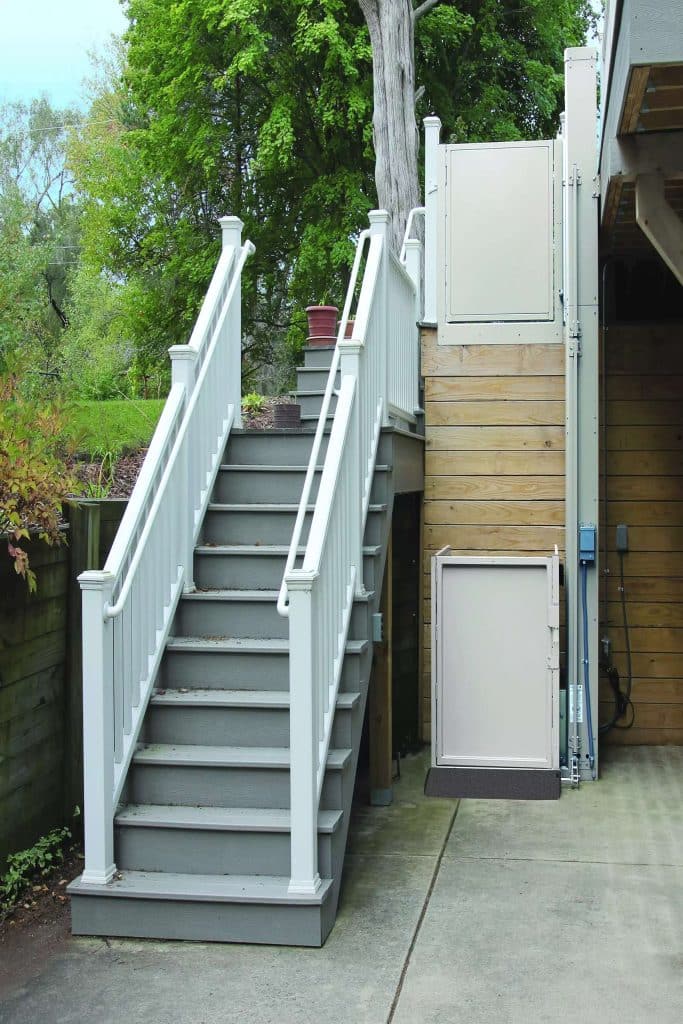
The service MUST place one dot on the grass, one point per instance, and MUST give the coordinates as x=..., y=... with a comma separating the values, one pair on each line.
x=114, y=426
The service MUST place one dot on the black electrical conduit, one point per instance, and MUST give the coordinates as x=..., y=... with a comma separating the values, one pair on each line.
x=622, y=699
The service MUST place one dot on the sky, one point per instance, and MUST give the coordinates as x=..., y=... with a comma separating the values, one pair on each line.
x=44, y=46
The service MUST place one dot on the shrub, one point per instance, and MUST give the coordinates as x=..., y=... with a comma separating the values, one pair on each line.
x=34, y=479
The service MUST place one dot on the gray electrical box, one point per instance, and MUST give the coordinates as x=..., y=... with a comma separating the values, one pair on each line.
x=495, y=674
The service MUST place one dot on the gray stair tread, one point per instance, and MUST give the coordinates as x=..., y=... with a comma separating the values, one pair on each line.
x=236, y=467
x=217, y=819
x=247, y=645
x=226, y=757
x=256, y=507
x=262, y=549
x=186, y=697
x=218, y=594
x=163, y=885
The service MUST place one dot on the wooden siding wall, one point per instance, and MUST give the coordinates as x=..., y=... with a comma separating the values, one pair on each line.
x=494, y=473
x=644, y=489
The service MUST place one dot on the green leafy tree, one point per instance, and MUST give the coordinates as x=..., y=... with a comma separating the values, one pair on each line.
x=264, y=109
x=39, y=227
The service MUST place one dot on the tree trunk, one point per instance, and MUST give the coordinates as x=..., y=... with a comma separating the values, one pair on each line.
x=390, y=23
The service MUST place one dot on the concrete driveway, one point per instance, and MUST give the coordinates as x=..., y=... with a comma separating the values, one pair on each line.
x=509, y=912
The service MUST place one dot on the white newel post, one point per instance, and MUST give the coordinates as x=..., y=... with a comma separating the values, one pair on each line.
x=432, y=139
x=98, y=728
x=379, y=227
x=183, y=371
x=232, y=236
x=303, y=741
x=350, y=366
x=414, y=268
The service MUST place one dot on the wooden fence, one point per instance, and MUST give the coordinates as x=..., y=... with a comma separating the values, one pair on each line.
x=40, y=679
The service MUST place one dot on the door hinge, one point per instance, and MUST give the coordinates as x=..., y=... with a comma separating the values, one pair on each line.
x=574, y=344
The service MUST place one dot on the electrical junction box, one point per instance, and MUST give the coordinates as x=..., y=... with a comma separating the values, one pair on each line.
x=587, y=541
x=495, y=677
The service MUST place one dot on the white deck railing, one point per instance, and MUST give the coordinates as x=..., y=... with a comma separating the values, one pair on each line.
x=378, y=370
x=128, y=607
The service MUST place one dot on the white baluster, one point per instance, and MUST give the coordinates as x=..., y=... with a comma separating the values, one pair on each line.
x=98, y=728
x=183, y=363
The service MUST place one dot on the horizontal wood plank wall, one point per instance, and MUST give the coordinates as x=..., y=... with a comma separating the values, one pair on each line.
x=644, y=489
x=494, y=472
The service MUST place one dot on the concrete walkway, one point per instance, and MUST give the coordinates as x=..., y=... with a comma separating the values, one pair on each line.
x=509, y=912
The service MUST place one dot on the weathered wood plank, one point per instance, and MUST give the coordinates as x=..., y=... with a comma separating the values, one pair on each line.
x=452, y=439
x=647, y=413
x=503, y=413
x=656, y=488
x=651, y=463
x=497, y=488
x=648, y=639
x=643, y=438
x=481, y=389
x=644, y=513
x=499, y=538
x=647, y=613
x=491, y=360
x=490, y=513
x=651, y=387
x=494, y=463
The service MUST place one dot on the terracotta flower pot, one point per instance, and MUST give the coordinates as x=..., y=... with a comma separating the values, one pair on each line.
x=322, y=325
x=350, y=324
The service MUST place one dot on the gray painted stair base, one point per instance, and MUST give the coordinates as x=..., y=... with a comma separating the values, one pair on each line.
x=202, y=839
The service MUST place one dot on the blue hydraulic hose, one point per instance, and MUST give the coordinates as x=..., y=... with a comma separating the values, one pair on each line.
x=587, y=689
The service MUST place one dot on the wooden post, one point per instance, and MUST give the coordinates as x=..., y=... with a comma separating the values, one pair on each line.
x=84, y=554
x=381, y=725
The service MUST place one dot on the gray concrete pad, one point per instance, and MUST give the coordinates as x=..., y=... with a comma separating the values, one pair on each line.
x=543, y=910
x=353, y=979
x=529, y=913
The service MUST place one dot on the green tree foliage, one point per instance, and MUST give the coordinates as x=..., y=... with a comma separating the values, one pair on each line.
x=264, y=109
x=38, y=237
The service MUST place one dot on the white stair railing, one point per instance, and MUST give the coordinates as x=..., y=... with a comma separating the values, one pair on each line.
x=128, y=607
x=378, y=370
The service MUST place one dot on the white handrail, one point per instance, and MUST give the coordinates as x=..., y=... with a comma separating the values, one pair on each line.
x=378, y=372
x=128, y=608
x=282, y=602
x=415, y=212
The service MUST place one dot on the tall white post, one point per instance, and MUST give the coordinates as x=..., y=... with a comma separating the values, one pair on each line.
x=183, y=371
x=379, y=228
x=414, y=268
x=432, y=139
x=98, y=728
x=303, y=730
x=232, y=236
x=350, y=365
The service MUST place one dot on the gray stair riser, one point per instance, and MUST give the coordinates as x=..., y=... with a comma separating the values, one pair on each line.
x=313, y=379
x=242, y=486
x=232, y=727
x=312, y=404
x=267, y=527
x=223, y=670
x=253, y=527
x=237, y=486
x=223, y=786
x=257, y=571
x=211, y=851
x=318, y=357
x=202, y=921
x=249, y=619
x=277, y=449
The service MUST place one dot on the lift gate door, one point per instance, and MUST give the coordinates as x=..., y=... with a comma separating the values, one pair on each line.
x=496, y=662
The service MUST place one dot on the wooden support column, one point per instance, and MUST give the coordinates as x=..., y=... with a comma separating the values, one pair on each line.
x=380, y=716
